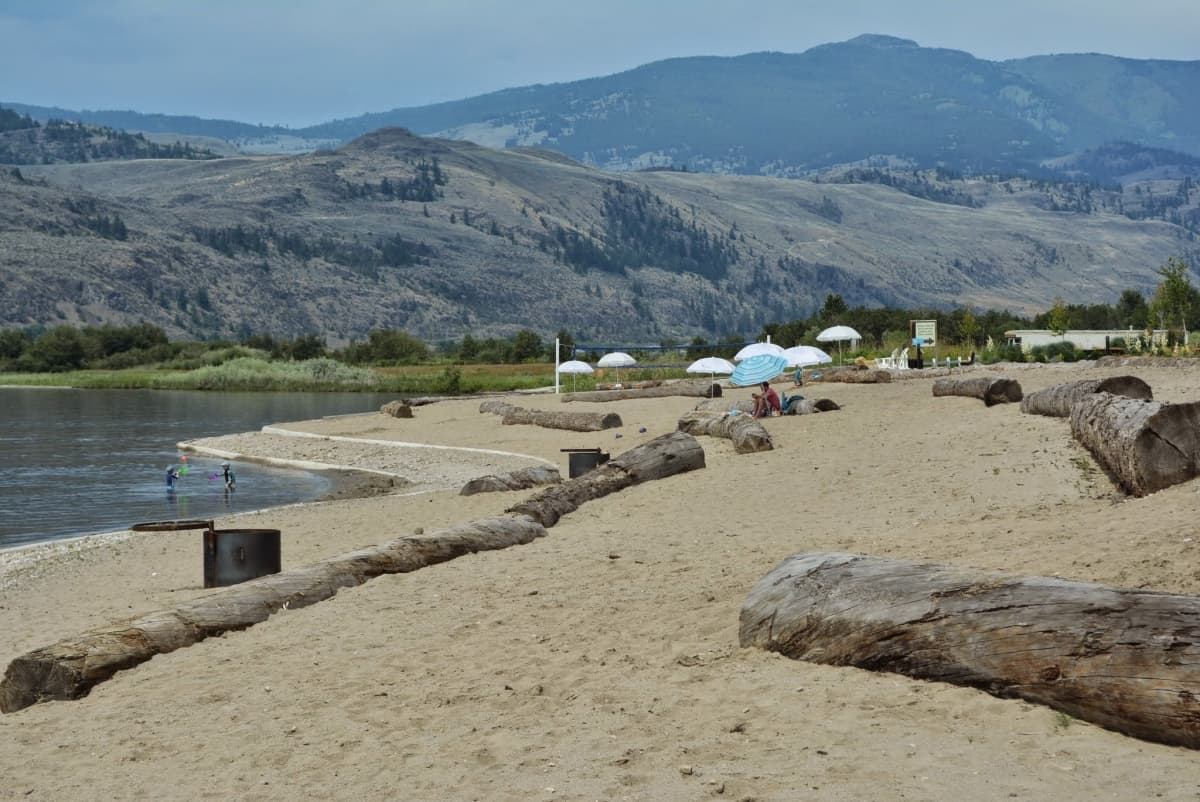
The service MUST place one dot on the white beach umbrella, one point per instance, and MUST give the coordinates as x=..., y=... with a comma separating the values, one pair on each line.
x=618, y=360
x=803, y=355
x=838, y=334
x=574, y=367
x=712, y=365
x=757, y=349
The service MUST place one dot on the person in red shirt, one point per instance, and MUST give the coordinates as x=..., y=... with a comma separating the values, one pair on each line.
x=767, y=402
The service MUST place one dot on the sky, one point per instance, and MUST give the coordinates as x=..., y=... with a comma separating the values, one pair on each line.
x=301, y=62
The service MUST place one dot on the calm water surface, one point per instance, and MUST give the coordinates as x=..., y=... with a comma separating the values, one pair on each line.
x=75, y=462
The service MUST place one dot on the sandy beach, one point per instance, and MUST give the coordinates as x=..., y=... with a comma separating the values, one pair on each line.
x=601, y=662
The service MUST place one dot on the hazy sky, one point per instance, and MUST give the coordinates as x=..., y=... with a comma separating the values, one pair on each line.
x=297, y=62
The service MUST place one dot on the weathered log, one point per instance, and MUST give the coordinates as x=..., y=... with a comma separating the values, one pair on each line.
x=664, y=456
x=748, y=435
x=70, y=668
x=571, y=421
x=1144, y=445
x=850, y=375
x=991, y=389
x=638, y=385
x=397, y=409
x=716, y=406
x=513, y=480
x=1128, y=660
x=746, y=405
x=1056, y=401
x=1113, y=361
x=684, y=388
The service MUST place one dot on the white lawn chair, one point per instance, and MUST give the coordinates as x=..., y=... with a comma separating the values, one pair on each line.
x=887, y=362
x=902, y=360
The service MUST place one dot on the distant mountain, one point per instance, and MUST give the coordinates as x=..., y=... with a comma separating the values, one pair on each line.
x=444, y=238
x=873, y=99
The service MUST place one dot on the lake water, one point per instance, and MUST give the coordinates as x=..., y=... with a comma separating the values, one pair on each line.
x=76, y=462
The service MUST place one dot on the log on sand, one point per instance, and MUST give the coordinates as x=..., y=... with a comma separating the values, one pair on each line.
x=685, y=388
x=1056, y=401
x=991, y=389
x=1144, y=445
x=571, y=421
x=71, y=667
x=513, y=480
x=856, y=376
x=806, y=407
x=664, y=456
x=1128, y=660
x=748, y=435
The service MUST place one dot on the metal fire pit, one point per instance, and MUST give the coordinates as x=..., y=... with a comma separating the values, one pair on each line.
x=582, y=460
x=236, y=555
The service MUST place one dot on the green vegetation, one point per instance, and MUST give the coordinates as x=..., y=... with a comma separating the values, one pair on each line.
x=28, y=142
x=389, y=360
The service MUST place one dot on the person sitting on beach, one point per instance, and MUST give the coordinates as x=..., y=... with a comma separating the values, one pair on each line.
x=767, y=402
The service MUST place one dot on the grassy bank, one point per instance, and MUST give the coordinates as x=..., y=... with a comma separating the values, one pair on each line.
x=326, y=375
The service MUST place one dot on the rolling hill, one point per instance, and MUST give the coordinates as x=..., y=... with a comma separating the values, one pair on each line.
x=442, y=238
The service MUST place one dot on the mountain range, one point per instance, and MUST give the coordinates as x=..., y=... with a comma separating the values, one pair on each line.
x=873, y=98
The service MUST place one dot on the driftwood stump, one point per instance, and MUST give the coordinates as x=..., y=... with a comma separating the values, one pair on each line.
x=397, y=409
x=1127, y=660
x=692, y=389
x=1144, y=445
x=1056, y=401
x=513, y=480
x=571, y=421
x=746, y=433
x=991, y=389
x=71, y=667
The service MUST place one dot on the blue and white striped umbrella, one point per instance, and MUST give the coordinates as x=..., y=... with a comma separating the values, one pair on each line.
x=758, y=369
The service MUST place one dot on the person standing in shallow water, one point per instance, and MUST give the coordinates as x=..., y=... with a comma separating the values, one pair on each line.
x=227, y=475
x=172, y=477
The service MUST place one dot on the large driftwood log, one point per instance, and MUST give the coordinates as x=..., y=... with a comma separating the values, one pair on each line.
x=513, y=480
x=664, y=456
x=691, y=389
x=855, y=376
x=806, y=407
x=991, y=389
x=70, y=668
x=1144, y=445
x=746, y=433
x=1056, y=401
x=1127, y=660
x=571, y=421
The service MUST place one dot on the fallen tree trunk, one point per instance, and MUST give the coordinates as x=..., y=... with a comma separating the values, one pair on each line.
x=1144, y=445
x=991, y=389
x=685, y=388
x=1127, y=660
x=748, y=435
x=806, y=406
x=513, y=480
x=71, y=667
x=666, y=455
x=1056, y=401
x=856, y=376
x=571, y=421
x=1113, y=361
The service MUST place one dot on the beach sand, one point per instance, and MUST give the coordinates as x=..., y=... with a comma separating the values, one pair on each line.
x=602, y=662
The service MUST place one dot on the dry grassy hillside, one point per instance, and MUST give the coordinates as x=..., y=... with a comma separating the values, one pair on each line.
x=444, y=238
